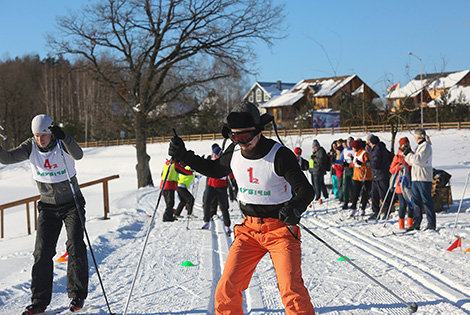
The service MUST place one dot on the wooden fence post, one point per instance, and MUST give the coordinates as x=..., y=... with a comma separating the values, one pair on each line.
x=28, y=220
x=105, y=199
x=1, y=221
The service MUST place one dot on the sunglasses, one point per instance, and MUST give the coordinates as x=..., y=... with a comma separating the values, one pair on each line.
x=242, y=137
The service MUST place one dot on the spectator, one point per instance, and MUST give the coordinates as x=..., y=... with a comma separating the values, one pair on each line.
x=403, y=184
x=346, y=158
x=303, y=163
x=421, y=181
x=338, y=169
x=332, y=159
x=361, y=178
x=318, y=160
x=380, y=166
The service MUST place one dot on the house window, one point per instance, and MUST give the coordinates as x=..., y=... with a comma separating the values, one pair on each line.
x=279, y=114
x=258, y=96
x=265, y=98
x=250, y=98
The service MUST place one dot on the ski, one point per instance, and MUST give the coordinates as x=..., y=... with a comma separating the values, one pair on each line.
x=80, y=311
x=51, y=311
x=394, y=233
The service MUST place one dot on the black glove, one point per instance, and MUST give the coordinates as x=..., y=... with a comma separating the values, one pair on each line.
x=289, y=215
x=346, y=164
x=358, y=162
x=406, y=149
x=177, y=149
x=57, y=132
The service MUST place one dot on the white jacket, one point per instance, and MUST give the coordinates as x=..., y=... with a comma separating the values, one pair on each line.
x=421, y=163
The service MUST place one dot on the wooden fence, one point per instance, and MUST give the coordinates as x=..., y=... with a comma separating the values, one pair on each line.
x=286, y=132
x=35, y=199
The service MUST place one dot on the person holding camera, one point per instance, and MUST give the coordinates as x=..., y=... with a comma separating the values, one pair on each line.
x=421, y=180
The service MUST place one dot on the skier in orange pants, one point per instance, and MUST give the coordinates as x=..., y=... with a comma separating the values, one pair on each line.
x=273, y=192
x=253, y=239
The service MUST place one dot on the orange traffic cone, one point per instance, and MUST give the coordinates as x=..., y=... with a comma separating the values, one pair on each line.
x=63, y=258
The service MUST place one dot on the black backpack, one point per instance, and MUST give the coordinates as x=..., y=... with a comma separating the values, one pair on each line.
x=328, y=163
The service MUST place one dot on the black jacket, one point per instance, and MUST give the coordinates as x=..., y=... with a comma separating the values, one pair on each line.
x=285, y=165
x=379, y=162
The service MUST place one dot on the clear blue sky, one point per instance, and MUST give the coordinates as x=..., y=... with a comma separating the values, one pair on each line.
x=369, y=38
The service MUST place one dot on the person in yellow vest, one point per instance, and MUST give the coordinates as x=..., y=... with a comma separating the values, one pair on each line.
x=170, y=187
x=186, y=198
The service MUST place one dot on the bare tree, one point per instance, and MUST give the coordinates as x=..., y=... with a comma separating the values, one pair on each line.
x=149, y=51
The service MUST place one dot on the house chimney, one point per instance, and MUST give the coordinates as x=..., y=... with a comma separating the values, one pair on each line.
x=279, y=85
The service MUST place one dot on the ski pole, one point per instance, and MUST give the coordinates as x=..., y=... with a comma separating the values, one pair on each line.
x=400, y=181
x=147, y=236
x=460, y=204
x=388, y=191
x=413, y=307
x=82, y=221
x=148, y=233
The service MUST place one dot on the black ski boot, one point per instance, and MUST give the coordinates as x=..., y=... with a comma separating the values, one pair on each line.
x=35, y=308
x=76, y=304
x=414, y=226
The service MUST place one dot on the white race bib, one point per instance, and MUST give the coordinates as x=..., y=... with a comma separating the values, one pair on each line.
x=49, y=167
x=257, y=180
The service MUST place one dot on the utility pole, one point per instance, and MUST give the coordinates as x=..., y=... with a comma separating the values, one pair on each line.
x=421, y=79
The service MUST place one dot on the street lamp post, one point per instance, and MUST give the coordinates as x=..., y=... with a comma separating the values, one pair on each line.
x=421, y=79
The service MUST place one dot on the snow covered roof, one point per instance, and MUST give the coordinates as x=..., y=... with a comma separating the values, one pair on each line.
x=288, y=98
x=272, y=87
x=454, y=93
x=323, y=87
x=430, y=81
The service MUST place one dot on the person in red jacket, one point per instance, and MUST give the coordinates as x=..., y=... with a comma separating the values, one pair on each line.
x=170, y=187
x=217, y=187
x=403, y=184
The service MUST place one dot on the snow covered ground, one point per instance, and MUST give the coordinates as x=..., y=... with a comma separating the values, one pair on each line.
x=415, y=266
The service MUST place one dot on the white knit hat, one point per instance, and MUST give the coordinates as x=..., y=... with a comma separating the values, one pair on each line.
x=41, y=123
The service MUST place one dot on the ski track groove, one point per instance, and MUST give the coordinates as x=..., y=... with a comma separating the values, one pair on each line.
x=456, y=293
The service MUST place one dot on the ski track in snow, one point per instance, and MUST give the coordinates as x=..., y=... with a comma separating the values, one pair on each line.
x=393, y=267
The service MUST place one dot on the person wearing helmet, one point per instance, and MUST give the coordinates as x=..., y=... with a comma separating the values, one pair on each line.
x=56, y=207
x=273, y=192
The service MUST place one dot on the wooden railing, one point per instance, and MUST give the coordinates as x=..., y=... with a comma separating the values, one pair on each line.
x=35, y=199
x=287, y=132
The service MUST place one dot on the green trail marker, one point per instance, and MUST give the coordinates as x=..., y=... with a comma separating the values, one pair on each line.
x=187, y=263
x=342, y=259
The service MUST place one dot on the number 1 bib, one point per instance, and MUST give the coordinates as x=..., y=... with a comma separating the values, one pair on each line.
x=257, y=180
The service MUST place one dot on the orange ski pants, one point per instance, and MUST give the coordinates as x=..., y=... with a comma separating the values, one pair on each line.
x=253, y=239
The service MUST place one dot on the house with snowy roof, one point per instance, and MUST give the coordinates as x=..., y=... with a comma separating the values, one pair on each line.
x=322, y=93
x=431, y=87
x=261, y=92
